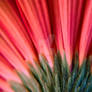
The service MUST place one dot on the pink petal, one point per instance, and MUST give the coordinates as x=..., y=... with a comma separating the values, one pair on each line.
x=6, y=38
x=5, y=86
x=14, y=60
x=7, y=72
x=53, y=7
x=36, y=15
x=70, y=11
x=13, y=28
x=86, y=35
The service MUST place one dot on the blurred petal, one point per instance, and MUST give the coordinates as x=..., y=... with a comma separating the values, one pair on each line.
x=86, y=35
x=35, y=12
x=5, y=86
x=6, y=38
x=7, y=72
x=15, y=61
x=90, y=50
x=13, y=28
x=70, y=11
x=53, y=7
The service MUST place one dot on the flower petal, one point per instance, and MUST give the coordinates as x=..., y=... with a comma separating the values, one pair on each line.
x=70, y=11
x=86, y=35
x=90, y=50
x=15, y=61
x=53, y=7
x=35, y=12
x=7, y=72
x=13, y=28
x=5, y=86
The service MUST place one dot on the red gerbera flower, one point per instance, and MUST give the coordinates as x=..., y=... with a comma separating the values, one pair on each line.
x=30, y=28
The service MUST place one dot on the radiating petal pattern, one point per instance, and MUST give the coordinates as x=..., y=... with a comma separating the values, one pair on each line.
x=70, y=11
x=86, y=35
x=7, y=72
x=54, y=13
x=13, y=27
x=30, y=28
x=38, y=21
x=15, y=61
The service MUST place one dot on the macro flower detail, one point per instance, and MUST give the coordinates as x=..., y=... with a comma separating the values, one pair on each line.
x=45, y=45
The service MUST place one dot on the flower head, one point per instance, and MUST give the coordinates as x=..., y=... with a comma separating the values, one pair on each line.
x=30, y=28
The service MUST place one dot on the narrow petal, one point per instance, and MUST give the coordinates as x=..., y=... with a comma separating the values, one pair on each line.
x=35, y=12
x=6, y=38
x=14, y=60
x=5, y=86
x=53, y=7
x=86, y=35
x=7, y=72
x=90, y=50
x=13, y=28
x=70, y=12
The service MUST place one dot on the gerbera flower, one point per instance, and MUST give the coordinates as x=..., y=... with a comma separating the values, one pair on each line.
x=45, y=45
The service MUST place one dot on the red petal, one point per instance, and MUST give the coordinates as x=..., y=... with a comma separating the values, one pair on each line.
x=53, y=7
x=35, y=12
x=13, y=28
x=86, y=35
x=70, y=11
x=5, y=86
x=7, y=72
x=17, y=62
